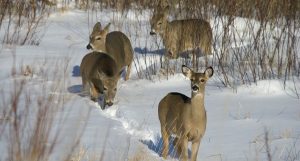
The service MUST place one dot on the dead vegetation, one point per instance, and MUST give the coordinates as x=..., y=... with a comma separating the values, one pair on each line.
x=31, y=114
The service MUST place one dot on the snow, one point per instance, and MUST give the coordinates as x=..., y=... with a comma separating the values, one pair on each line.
x=237, y=119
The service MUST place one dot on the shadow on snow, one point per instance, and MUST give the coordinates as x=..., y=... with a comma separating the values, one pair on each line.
x=157, y=144
x=145, y=50
x=76, y=89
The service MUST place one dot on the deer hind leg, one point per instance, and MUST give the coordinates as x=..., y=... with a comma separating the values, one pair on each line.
x=177, y=146
x=128, y=71
x=165, y=137
x=84, y=85
x=208, y=52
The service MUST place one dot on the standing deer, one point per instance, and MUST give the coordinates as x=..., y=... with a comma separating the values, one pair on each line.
x=181, y=36
x=100, y=75
x=115, y=43
x=183, y=116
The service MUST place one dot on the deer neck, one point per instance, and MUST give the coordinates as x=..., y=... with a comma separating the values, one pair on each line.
x=164, y=33
x=197, y=102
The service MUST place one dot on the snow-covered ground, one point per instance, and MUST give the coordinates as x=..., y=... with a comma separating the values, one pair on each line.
x=237, y=119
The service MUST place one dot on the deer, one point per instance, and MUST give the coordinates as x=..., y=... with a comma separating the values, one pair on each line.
x=115, y=43
x=100, y=75
x=183, y=116
x=181, y=36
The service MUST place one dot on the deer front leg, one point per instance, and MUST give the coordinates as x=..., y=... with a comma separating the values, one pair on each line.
x=93, y=92
x=165, y=138
x=128, y=71
x=176, y=144
x=195, y=148
x=184, y=148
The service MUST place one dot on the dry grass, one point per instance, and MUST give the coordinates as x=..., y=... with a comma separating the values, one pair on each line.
x=31, y=114
x=141, y=155
x=22, y=21
x=265, y=47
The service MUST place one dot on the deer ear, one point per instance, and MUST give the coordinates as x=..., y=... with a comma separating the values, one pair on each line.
x=97, y=27
x=106, y=28
x=166, y=10
x=101, y=74
x=209, y=71
x=120, y=73
x=163, y=3
x=187, y=71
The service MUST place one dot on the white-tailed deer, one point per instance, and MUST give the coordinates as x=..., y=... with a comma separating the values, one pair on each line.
x=100, y=75
x=184, y=117
x=181, y=36
x=115, y=43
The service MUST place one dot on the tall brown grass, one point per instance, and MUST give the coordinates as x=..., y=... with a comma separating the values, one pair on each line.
x=22, y=21
x=264, y=48
x=32, y=114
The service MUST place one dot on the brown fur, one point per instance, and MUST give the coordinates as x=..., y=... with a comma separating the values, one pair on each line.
x=115, y=43
x=100, y=74
x=183, y=116
x=181, y=35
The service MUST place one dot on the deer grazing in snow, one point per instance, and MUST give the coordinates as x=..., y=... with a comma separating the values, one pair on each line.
x=185, y=117
x=181, y=36
x=115, y=43
x=100, y=75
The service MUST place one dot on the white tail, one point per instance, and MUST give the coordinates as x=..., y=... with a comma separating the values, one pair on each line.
x=183, y=116
x=115, y=43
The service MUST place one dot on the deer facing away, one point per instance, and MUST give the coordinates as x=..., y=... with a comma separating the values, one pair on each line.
x=185, y=117
x=100, y=75
x=180, y=36
x=115, y=43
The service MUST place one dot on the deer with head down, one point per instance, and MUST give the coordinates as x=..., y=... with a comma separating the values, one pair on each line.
x=181, y=36
x=115, y=43
x=183, y=116
x=100, y=75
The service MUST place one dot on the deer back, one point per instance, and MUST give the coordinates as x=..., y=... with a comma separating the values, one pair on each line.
x=182, y=35
x=101, y=70
x=119, y=47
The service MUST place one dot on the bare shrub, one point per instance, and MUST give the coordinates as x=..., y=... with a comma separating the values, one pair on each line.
x=21, y=21
x=31, y=115
x=252, y=40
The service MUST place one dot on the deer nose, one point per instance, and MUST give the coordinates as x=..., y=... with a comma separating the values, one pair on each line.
x=109, y=103
x=195, y=88
x=152, y=33
x=88, y=47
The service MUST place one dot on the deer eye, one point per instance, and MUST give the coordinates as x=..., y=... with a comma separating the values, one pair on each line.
x=105, y=89
x=98, y=38
x=159, y=23
x=202, y=80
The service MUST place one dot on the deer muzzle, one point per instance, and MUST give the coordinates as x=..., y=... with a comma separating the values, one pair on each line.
x=195, y=88
x=89, y=47
x=152, y=32
x=109, y=103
